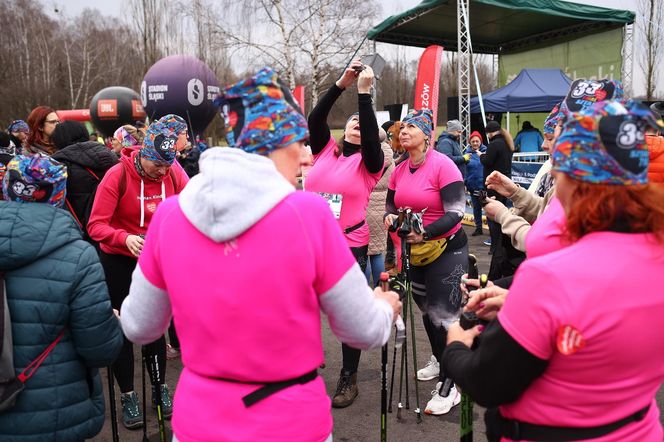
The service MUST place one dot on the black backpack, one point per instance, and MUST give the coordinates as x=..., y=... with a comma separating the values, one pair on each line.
x=11, y=384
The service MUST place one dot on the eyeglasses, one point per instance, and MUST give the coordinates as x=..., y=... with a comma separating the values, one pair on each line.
x=52, y=121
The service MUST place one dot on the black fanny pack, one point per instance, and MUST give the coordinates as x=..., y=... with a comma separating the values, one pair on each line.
x=352, y=228
x=271, y=388
x=517, y=430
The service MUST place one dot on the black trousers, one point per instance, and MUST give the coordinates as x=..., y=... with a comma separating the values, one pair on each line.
x=350, y=355
x=118, y=270
x=437, y=293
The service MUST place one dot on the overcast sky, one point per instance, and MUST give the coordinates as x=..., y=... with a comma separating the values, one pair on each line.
x=389, y=7
x=115, y=8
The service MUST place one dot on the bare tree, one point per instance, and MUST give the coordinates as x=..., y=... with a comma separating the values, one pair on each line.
x=149, y=18
x=301, y=38
x=209, y=45
x=61, y=63
x=651, y=14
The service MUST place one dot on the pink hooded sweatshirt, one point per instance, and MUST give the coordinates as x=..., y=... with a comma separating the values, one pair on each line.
x=244, y=265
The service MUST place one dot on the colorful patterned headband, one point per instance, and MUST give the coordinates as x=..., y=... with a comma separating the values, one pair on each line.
x=159, y=144
x=125, y=138
x=18, y=126
x=264, y=110
x=422, y=118
x=584, y=93
x=605, y=144
x=173, y=123
x=552, y=120
x=35, y=178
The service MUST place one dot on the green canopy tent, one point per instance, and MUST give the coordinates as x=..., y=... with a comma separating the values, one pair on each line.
x=501, y=27
x=498, y=26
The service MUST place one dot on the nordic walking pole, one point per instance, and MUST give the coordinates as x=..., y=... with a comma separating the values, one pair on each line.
x=409, y=294
x=154, y=381
x=399, y=339
x=145, y=413
x=400, y=404
x=111, y=401
x=468, y=320
x=394, y=367
x=352, y=57
x=384, y=285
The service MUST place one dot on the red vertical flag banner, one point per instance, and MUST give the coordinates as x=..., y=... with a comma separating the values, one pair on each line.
x=428, y=80
x=298, y=94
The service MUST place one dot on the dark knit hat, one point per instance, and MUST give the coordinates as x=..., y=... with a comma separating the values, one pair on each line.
x=68, y=133
x=492, y=126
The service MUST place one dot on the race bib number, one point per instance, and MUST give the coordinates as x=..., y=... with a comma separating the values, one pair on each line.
x=334, y=200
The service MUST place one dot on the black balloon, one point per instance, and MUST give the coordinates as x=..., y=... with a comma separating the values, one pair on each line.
x=113, y=107
x=181, y=85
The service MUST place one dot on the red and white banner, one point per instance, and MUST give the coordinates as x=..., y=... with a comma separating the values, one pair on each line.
x=74, y=114
x=428, y=80
x=298, y=94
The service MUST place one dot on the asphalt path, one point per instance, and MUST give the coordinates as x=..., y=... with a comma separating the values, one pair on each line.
x=360, y=421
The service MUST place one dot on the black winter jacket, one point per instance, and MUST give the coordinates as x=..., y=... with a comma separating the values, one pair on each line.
x=498, y=157
x=81, y=184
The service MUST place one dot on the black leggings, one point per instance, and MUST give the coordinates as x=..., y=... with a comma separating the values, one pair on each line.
x=118, y=270
x=350, y=355
x=173, y=336
x=437, y=293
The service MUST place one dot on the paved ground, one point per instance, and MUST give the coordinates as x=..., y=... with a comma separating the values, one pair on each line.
x=360, y=422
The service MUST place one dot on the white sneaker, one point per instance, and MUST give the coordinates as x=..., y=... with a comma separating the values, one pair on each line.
x=430, y=371
x=441, y=405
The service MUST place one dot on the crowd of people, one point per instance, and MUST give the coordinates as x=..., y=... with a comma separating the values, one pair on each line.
x=95, y=237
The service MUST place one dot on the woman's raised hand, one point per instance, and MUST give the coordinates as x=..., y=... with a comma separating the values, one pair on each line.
x=350, y=74
x=365, y=80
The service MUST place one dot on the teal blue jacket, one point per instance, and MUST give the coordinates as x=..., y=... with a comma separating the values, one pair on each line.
x=53, y=281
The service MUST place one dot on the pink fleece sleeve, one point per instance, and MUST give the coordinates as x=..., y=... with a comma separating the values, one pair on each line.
x=103, y=208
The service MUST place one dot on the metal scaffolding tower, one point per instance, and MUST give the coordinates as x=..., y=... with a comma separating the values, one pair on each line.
x=463, y=68
x=628, y=60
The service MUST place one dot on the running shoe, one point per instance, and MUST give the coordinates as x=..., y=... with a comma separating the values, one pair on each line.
x=166, y=402
x=430, y=371
x=438, y=404
x=132, y=417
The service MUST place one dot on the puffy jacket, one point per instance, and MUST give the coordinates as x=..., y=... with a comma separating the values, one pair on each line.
x=54, y=281
x=656, y=168
x=448, y=144
x=376, y=207
x=81, y=184
x=474, y=171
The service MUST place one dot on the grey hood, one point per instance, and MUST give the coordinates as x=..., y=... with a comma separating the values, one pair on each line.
x=233, y=191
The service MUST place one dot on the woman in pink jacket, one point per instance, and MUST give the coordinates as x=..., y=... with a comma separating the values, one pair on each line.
x=573, y=353
x=249, y=324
